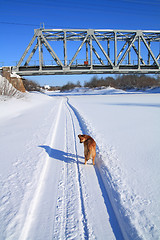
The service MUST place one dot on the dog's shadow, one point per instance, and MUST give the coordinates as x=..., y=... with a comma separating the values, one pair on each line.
x=61, y=155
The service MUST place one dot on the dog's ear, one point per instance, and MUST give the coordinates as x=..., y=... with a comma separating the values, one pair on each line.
x=79, y=135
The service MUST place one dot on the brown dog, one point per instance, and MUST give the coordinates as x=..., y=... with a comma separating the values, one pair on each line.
x=89, y=147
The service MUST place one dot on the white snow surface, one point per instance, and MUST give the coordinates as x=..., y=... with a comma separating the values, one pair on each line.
x=46, y=191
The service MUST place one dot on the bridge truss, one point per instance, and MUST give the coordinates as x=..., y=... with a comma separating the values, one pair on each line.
x=89, y=51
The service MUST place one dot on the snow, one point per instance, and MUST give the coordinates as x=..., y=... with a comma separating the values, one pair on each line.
x=6, y=88
x=15, y=75
x=46, y=191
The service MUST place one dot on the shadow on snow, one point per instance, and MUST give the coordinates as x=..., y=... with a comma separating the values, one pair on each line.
x=61, y=155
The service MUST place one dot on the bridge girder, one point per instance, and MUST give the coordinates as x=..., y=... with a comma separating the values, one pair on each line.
x=104, y=51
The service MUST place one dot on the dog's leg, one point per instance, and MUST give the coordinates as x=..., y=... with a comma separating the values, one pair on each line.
x=85, y=159
x=86, y=155
x=93, y=160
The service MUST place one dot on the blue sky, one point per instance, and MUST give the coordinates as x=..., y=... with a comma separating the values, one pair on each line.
x=19, y=18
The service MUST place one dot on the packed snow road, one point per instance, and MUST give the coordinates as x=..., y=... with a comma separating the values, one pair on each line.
x=71, y=205
x=50, y=193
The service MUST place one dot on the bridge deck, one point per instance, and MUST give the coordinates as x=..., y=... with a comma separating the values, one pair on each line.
x=81, y=69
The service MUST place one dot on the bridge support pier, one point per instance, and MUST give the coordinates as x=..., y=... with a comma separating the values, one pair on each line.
x=14, y=79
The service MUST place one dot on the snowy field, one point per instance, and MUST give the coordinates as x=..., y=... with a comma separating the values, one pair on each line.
x=46, y=191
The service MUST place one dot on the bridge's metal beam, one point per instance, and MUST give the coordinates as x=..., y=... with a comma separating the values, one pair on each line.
x=149, y=55
x=51, y=51
x=158, y=57
x=114, y=60
x=150, y=51
x=27, y=49
x=124, y=46
x=88, y=71
x=87, y=57
x=105, y=54
x=65, y=49
x=78, y=50
x=115, y=49
x=108, y=49
x=77, y=34
x=129, y=55
x=128, y=49
x=91, y=56
x=40, y=53
x=138, y=54
x=139, y=50
x=31, y=54
x=97, y=55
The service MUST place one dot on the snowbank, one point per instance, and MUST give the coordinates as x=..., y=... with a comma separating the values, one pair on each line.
x=12, y=106
x=87, y=91
x=7, y=89
x=101, y=91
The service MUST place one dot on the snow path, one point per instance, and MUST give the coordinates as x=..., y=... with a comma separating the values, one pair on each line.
x=76, y=209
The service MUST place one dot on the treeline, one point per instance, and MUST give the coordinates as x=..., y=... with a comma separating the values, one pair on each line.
x=70, y=86
x=124, y=82
x=34, y=86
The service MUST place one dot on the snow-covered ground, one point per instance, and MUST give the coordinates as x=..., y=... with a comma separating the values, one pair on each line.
x=46, y=191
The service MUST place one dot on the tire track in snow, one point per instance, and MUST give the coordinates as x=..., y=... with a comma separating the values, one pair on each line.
x=126, y=226
x=114, y=220
x=70, y=215
x=87, y=231
x=34, y=203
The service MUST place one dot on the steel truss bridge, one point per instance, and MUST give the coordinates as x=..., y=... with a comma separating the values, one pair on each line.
x=90, y=51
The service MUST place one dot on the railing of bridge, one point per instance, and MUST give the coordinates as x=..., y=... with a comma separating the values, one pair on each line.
x=77, y=62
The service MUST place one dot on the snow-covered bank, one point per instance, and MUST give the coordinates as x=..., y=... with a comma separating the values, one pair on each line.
x=101, y=91
x=6, y=88
x=12, y=106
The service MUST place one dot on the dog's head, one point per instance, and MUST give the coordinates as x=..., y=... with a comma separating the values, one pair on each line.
x=82, y=138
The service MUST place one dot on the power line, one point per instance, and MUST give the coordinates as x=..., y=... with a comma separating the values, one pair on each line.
x=94, y=6
x=139, y=2
x=106, y=7
x=142, y=2
x=33, y=25
x=20, y=24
